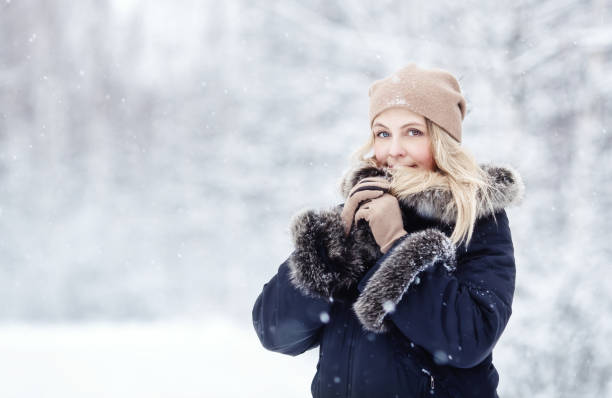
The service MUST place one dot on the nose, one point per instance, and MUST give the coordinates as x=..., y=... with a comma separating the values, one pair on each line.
x=396, y=148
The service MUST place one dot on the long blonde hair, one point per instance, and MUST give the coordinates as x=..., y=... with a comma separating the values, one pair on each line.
x=455, y=171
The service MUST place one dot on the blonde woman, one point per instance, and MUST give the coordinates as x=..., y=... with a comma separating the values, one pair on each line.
x=408, y=285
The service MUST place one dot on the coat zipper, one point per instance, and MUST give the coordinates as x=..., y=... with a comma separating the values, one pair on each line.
x=350, y=365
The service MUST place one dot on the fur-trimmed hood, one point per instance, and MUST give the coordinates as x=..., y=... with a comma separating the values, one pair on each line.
x=506, y=189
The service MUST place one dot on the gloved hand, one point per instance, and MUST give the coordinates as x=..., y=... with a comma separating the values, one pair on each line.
x=366, y=189
x=385, y=219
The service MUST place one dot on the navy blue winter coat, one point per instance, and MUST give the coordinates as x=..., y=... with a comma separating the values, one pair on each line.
x=420, y=320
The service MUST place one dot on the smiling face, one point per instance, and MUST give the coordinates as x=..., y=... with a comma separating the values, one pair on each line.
x=401, y=139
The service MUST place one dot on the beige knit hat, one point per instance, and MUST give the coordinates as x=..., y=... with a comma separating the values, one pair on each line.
x=433, y=93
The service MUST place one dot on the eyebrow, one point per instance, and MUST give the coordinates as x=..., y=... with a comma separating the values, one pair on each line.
x=405, y=125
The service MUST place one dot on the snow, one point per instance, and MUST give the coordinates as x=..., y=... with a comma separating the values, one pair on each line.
x=217, y=359
x=162, y=186
x=324, y=316
x=389, y=306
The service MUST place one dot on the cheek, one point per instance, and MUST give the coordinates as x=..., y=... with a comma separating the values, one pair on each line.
x=379, y=152
x=425, y=155
x=426, y=158
x=431, y=163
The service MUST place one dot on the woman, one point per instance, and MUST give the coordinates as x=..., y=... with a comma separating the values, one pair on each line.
x=408, y=285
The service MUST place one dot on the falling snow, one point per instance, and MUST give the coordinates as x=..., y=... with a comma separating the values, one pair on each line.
x=151, y=166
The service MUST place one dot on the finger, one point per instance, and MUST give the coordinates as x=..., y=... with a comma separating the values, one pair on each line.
x=375, y=185
x=376, y=178
x=348, y=213
x=387, y=197
x=348, y=223
x=373, y=179
x=364, y=202
x=359, y=197
x=369, y=185
x=377, y=181
x=362, y=213
x=367, y=189
x=363, y=196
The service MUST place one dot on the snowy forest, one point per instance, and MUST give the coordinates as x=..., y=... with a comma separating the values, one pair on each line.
x=153, y=153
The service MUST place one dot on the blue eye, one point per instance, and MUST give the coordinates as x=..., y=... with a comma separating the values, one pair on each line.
x=411, y=132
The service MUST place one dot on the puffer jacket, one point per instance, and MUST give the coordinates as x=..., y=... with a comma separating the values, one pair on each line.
x=420, y=320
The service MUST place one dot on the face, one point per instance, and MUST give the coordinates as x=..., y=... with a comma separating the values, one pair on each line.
x=401, y=139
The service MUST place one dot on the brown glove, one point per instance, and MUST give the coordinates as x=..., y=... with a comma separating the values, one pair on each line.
x=366, y=190
x=385, y=219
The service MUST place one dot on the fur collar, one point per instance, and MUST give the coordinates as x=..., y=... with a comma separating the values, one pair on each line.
x=507, y=189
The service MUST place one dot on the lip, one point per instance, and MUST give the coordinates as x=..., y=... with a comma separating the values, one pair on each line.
x=402, y=165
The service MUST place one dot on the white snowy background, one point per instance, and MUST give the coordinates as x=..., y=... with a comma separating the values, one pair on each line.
x=152, y=154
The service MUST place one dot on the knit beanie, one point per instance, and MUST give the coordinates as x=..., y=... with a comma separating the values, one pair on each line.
x=433, y=93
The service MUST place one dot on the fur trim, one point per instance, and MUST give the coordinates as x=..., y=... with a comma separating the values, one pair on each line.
x=508, y=185
x=507, y=189
x=320, y=264
x=384, y=290
x=326, y=263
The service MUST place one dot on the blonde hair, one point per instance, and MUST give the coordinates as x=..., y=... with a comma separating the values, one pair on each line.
x=455, y=171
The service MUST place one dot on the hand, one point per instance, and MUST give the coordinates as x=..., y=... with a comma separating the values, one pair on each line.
x=365, y=190
x=385, y=219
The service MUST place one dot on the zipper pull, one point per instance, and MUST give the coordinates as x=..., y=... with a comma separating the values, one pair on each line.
x=431, y=378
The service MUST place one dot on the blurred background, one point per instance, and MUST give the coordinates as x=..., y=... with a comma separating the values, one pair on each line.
x=152, y=155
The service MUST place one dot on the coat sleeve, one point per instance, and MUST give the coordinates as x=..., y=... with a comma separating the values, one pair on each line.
x=321, y=265
x=454, y=306
x=285, y=319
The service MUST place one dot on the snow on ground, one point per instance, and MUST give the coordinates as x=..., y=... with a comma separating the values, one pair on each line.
x=176, y=359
